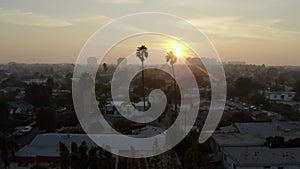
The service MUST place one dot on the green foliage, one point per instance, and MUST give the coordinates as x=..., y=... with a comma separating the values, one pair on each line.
x=278, y=142
x=258, y=100
x=285, y=110
x=47, y=119
x=297, y=89
x=262, y=118
x=82, y=158
x=64, y=156
x=6, y=147
x=38, y=166
x=243, y=86
x=38, y=95
x=293, y=143
x=122, y=126
x=4, y=115
x=74, y=156
x=275, y=142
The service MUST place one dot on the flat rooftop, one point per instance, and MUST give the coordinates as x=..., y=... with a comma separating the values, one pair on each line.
x=263, y=156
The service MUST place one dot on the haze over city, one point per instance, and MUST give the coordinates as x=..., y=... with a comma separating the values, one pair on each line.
x=257, y=32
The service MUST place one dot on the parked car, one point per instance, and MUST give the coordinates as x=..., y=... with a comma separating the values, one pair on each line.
x=20, y=131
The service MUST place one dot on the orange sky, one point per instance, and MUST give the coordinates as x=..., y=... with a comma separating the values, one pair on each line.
x=259, y=32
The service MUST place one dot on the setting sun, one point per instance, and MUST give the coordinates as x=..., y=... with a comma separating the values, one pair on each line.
x=178, y=49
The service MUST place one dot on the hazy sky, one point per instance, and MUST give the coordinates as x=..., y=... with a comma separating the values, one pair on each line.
x=54, y=31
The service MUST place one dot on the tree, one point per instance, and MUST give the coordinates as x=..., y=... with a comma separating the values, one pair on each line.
x=275, y=142
x=50, y=83
x=64, y=156
x=4, y=115
x=142, y=53
x=38, y=166
x=47, y=119
x=74, y=157
x=105, y=67
x=171, y=57
x=122, y=126
x=259, y=99
x=244, y=86
x=38, y=95
x=192, y=157
x=297, y=89
x=7, y=148
x=82, y=150
x=93, y=157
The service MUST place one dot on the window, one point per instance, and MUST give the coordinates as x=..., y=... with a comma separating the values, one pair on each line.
x=234, y=166
x=280, y=167
x=267, y=166
x=225, y=157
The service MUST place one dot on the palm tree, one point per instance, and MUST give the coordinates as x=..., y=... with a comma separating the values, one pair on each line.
x=142, y=53
x=171, y=57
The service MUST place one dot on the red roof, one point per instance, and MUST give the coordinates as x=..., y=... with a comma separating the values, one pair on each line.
x=38, y=159
x=22, y=159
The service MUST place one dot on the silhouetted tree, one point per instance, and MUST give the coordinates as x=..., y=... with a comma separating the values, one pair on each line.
x=142, y=54
x=7, y=148
x=172, y=58
x=38, y=95
x=39, y=166
x=47, y=119
x=244, y=86
x=64, y=156
x=74, y=156
x=105, y=68
x=4, y=115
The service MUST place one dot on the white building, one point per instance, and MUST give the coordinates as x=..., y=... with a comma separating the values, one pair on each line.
x=280, y=96
x=261, y=157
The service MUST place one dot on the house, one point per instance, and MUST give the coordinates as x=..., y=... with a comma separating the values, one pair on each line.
x=220, y=141
x=280, y=96
x=250, y=135
x=20, y=107
x=44, y=149
x=261, y=157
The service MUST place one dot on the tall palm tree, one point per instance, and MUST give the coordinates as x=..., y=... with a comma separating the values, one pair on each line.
x=171, y=57
x=142, y=54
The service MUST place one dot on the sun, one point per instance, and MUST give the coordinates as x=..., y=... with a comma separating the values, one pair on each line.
x=179, y=49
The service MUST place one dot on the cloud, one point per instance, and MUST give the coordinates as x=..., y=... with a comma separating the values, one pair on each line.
x=100, y=19
x=31, y=19
x=122, y=1
x=236, y=27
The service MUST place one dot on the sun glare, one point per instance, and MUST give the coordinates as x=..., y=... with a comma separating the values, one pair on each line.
x=178, y=49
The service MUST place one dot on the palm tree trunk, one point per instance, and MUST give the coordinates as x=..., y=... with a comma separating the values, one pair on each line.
x=175, y=88
x=143, y=80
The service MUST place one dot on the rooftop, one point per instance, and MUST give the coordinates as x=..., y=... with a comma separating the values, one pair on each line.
x=263, y=156
x=237, y=140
